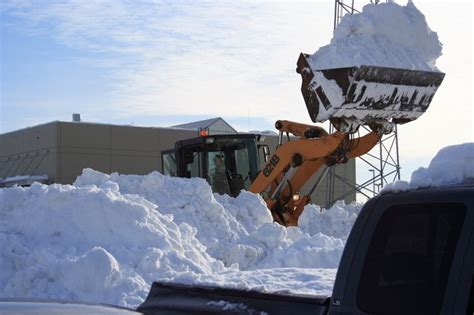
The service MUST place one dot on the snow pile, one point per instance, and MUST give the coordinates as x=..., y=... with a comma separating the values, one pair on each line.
x=385, y=34
x=337, y=221
x=452, y=165
x=237, y=231
x=187, y=201
x=108, y=237
x=86, y=243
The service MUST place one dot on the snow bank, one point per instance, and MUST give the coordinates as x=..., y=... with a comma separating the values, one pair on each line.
x=385, y=34
x=91, y=244
x=238, y=231
x=337, y=221
x=451, y=165
x=108, y=237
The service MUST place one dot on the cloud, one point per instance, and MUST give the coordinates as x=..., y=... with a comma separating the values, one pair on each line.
x=187, y=57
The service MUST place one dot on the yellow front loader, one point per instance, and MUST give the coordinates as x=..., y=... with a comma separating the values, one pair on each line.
x=374, y=96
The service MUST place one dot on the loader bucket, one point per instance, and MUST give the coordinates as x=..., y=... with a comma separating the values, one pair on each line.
x=366, y=95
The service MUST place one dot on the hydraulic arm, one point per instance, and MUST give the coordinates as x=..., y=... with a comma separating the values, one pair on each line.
x=297, y=160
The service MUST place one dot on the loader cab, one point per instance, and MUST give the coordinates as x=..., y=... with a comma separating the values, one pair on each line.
x=229, y=163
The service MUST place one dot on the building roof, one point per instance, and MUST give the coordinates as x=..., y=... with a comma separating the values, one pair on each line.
x=84, y=123
x=207, y=123
x=202, y=124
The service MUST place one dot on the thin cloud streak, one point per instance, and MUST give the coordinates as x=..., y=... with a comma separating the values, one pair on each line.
x=186, y=57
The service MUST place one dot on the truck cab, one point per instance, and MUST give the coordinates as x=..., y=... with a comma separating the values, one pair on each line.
x=410, y=252
x=229, y=162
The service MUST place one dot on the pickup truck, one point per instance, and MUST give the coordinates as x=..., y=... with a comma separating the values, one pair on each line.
x=409, y=252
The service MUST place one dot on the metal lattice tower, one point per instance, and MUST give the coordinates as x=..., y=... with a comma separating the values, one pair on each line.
x=383, y=159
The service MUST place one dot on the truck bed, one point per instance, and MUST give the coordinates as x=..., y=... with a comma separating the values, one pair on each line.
x=167, y=298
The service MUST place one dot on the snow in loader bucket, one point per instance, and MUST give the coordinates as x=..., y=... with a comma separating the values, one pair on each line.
x=366, y=95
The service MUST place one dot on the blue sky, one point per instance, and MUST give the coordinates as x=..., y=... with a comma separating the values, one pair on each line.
x=160, y=63
x=153, y=63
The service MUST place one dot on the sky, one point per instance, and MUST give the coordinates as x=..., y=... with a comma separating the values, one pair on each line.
x=162, y=63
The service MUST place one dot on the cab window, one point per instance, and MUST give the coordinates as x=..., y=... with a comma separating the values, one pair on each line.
x=193, y=164
x=409, y=258
x=169, y=164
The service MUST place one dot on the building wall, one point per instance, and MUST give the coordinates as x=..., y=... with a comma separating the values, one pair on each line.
x=29, y=151
x=82, y=145
x=62, y=150
x=108, y=149
x=341, y=190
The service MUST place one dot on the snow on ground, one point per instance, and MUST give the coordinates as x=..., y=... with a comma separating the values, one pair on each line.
x=236, y=231
x=385, y=34
x=108, y=237
x=92, y=244
x=335, y=222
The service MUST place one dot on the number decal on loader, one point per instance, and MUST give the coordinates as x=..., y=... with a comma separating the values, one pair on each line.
x=271, y=165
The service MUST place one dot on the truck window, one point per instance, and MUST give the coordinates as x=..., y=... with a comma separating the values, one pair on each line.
x=408, y=260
